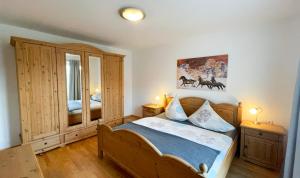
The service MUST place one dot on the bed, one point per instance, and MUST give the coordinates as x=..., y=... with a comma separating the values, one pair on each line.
x=75, y=111
x=136, y=146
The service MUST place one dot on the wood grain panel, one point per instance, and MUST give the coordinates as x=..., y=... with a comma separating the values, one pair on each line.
x=19, y=162
x=263, y=151
x=113, y=88
x=37, y=82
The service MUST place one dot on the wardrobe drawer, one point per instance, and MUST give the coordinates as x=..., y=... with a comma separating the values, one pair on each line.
x=91, y=131
x=45, y=143
x=261, y=134
x=74, y=136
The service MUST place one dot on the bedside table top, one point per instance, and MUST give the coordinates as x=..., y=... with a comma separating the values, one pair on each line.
x=277, y=129
x=152, y=106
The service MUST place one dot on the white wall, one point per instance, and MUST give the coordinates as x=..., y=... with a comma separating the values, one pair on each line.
x=261, y=72
x=9, y=110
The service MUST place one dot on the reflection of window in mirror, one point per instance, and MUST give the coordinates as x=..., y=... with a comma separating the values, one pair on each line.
x=74, y=89
x=95, y=87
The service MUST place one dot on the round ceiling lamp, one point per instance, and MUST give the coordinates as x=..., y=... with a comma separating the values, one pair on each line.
x=132, y=14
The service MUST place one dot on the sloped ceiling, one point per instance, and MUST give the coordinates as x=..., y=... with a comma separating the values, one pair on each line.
x=166, y=20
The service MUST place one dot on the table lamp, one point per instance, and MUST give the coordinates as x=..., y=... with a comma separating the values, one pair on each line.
x=256, y=111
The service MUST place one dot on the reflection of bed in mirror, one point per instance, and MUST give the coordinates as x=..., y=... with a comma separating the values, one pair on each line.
x=75, y=111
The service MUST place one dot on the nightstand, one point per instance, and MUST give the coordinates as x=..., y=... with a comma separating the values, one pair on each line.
x=131, y=118
x=150, y=110
x=263, y=144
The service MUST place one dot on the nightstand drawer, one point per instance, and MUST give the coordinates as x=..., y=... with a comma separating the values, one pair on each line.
x=147, y=109
x=150, y=110
x=261, y=134
x=149, y=114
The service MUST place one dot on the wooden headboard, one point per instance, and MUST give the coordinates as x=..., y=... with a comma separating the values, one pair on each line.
x=229, y=112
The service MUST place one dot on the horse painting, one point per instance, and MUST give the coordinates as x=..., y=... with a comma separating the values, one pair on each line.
x=186, y=81
x=203, y=73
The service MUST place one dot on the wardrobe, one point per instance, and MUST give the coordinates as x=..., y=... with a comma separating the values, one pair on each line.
x=65, y=90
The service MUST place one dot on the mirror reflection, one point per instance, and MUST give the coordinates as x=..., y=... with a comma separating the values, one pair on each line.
x=74, y=89
x=95, y=87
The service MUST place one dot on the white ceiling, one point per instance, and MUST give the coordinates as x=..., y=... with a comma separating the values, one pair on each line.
x=166, y=20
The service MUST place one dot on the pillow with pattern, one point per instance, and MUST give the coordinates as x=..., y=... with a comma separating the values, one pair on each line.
x=175, y=111
x=207, y=118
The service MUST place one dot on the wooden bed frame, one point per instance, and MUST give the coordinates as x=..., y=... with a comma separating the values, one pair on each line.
x=142, y=159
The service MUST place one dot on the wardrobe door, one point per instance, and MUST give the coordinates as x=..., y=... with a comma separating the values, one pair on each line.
x=93, y=87
x=37, y=82
x=113, y=87
x=71, y=84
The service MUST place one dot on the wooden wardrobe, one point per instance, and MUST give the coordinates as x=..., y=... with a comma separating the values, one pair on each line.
x=65, y=90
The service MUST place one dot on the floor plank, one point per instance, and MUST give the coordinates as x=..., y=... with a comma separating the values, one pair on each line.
x=79, y=160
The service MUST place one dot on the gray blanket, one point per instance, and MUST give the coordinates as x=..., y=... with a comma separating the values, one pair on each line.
x=192, y=152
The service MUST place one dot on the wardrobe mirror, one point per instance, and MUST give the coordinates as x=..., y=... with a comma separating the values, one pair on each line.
x=95, y=87
x=74, y=88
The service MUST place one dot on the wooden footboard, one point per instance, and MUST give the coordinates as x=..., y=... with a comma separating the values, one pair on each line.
x=141, y=158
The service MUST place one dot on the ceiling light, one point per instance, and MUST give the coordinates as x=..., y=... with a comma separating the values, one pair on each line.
x=132, y=14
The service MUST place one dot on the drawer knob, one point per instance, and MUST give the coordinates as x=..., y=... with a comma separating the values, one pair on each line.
x=260, y=133
x=76, y=135
x=45, y=143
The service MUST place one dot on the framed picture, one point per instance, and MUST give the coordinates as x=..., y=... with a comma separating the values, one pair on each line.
x=203, y=73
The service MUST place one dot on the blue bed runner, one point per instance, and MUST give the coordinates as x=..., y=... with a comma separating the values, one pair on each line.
x=192, y=152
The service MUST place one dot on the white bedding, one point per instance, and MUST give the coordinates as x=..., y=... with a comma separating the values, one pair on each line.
x=93, y=105
x=201, y=136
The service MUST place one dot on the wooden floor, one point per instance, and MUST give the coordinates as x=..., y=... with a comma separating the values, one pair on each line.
x=79, y=160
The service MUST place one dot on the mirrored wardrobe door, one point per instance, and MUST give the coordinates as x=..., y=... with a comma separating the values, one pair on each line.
x=94, y=88
x=72, y=67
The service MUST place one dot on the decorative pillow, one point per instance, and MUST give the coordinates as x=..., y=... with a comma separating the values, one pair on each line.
x=175, y=111
x=207, y=118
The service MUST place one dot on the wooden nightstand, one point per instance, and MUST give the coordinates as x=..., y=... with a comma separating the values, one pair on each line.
x=131, y=118
x=263, y=144
x=152, y=110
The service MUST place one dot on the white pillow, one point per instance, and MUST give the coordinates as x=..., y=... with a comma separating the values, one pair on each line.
x=207, y=118
x=175, y=111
